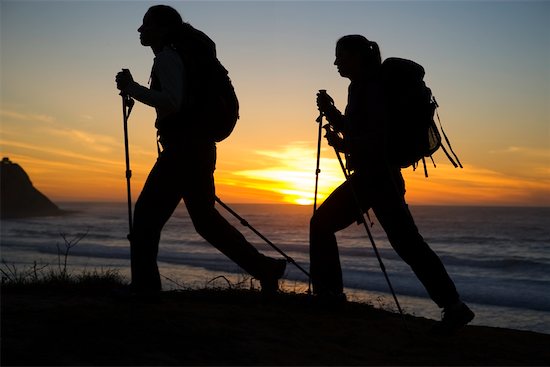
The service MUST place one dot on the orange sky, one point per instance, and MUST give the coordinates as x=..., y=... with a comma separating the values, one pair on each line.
x=61, y=118
x=283, y=175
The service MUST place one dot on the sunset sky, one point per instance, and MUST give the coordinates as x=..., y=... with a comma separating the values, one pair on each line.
x=487, y=62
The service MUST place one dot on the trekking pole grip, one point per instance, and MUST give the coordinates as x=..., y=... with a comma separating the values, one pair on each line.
x=321, y=114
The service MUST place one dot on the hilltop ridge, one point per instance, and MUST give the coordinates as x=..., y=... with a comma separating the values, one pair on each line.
x=216, y=327
x=18, y=196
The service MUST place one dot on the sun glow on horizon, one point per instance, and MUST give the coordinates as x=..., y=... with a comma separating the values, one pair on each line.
x=289, y=172
x=288, y=175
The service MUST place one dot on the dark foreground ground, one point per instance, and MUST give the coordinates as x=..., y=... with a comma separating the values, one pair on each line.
x=76, y=326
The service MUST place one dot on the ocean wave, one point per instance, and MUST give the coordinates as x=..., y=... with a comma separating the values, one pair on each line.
x=492, y=291
x=525, y=266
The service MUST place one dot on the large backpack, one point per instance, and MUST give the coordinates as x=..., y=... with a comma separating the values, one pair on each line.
x=412, y=132
x=212, y=99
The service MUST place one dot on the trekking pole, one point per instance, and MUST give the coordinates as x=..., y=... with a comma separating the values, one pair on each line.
x=246, y=224
x=319, y=121
x=382, y=266
x=127, y=104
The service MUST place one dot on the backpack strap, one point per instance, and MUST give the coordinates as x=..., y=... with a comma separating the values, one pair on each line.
x=425, y=168
x=433, y=162
x=449, y=156
x=457, y=163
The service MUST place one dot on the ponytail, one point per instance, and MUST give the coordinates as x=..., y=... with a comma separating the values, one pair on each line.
x=359, y=45
x=375, y=53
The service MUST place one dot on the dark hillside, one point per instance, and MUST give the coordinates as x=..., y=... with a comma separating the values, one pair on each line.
x=18, y=197
x=77, y=326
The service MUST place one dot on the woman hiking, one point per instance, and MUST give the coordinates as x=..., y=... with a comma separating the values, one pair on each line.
x=377, y=184
x=186, y=162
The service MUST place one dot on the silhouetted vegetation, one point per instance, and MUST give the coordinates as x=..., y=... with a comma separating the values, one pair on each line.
x=41, y=276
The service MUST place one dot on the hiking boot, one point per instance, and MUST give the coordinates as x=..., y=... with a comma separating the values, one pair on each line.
x=270, y=281
x=454, y=318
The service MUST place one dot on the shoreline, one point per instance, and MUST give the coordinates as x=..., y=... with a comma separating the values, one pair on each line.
x=80, y=325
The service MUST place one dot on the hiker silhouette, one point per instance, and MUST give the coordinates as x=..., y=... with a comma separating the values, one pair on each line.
x=374, y=183
x=186, y=162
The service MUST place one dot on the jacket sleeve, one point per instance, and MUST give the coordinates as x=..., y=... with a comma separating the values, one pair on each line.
x=170, y=72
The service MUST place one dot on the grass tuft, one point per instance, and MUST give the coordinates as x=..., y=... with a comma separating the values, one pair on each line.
x=44, y=276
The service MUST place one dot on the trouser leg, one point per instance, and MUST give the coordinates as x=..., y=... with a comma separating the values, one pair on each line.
x=394, y=216
x=337, y=212
x=215, y=229
x=156, y=203
x=199, y=198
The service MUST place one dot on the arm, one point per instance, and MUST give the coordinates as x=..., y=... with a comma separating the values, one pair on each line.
x=169, y=70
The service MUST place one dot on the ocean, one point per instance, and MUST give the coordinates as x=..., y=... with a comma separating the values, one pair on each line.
x=499, y=257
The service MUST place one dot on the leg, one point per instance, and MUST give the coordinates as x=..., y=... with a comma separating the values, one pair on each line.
x=337, y=212
x=394, y=216
x=411, y=247
x=199, y=197
x=215, y=229
x=156, y=203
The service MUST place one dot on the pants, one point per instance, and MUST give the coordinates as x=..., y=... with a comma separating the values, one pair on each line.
x=189, y=175
x=385, y=195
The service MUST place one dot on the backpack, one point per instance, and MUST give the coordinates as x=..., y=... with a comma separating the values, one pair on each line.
x=212, y=98
x=412, y=132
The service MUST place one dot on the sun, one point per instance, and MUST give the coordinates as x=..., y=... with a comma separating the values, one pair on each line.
x=303, y=201
x=289, y=173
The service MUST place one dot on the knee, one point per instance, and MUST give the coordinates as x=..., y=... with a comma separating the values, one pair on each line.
x=206, y=222
x=323, y=216
x=316, y=223
x=313, y=222
x=144, y=221
x=144, y=227
x=319, y=232
x=203, y=227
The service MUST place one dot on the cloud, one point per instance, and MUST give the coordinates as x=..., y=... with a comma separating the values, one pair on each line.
x=60, y=154
x=536, y=153
x=29, y=117
x=475, y=185
x=87, y=117
x=49, y=126
x=96, y=142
